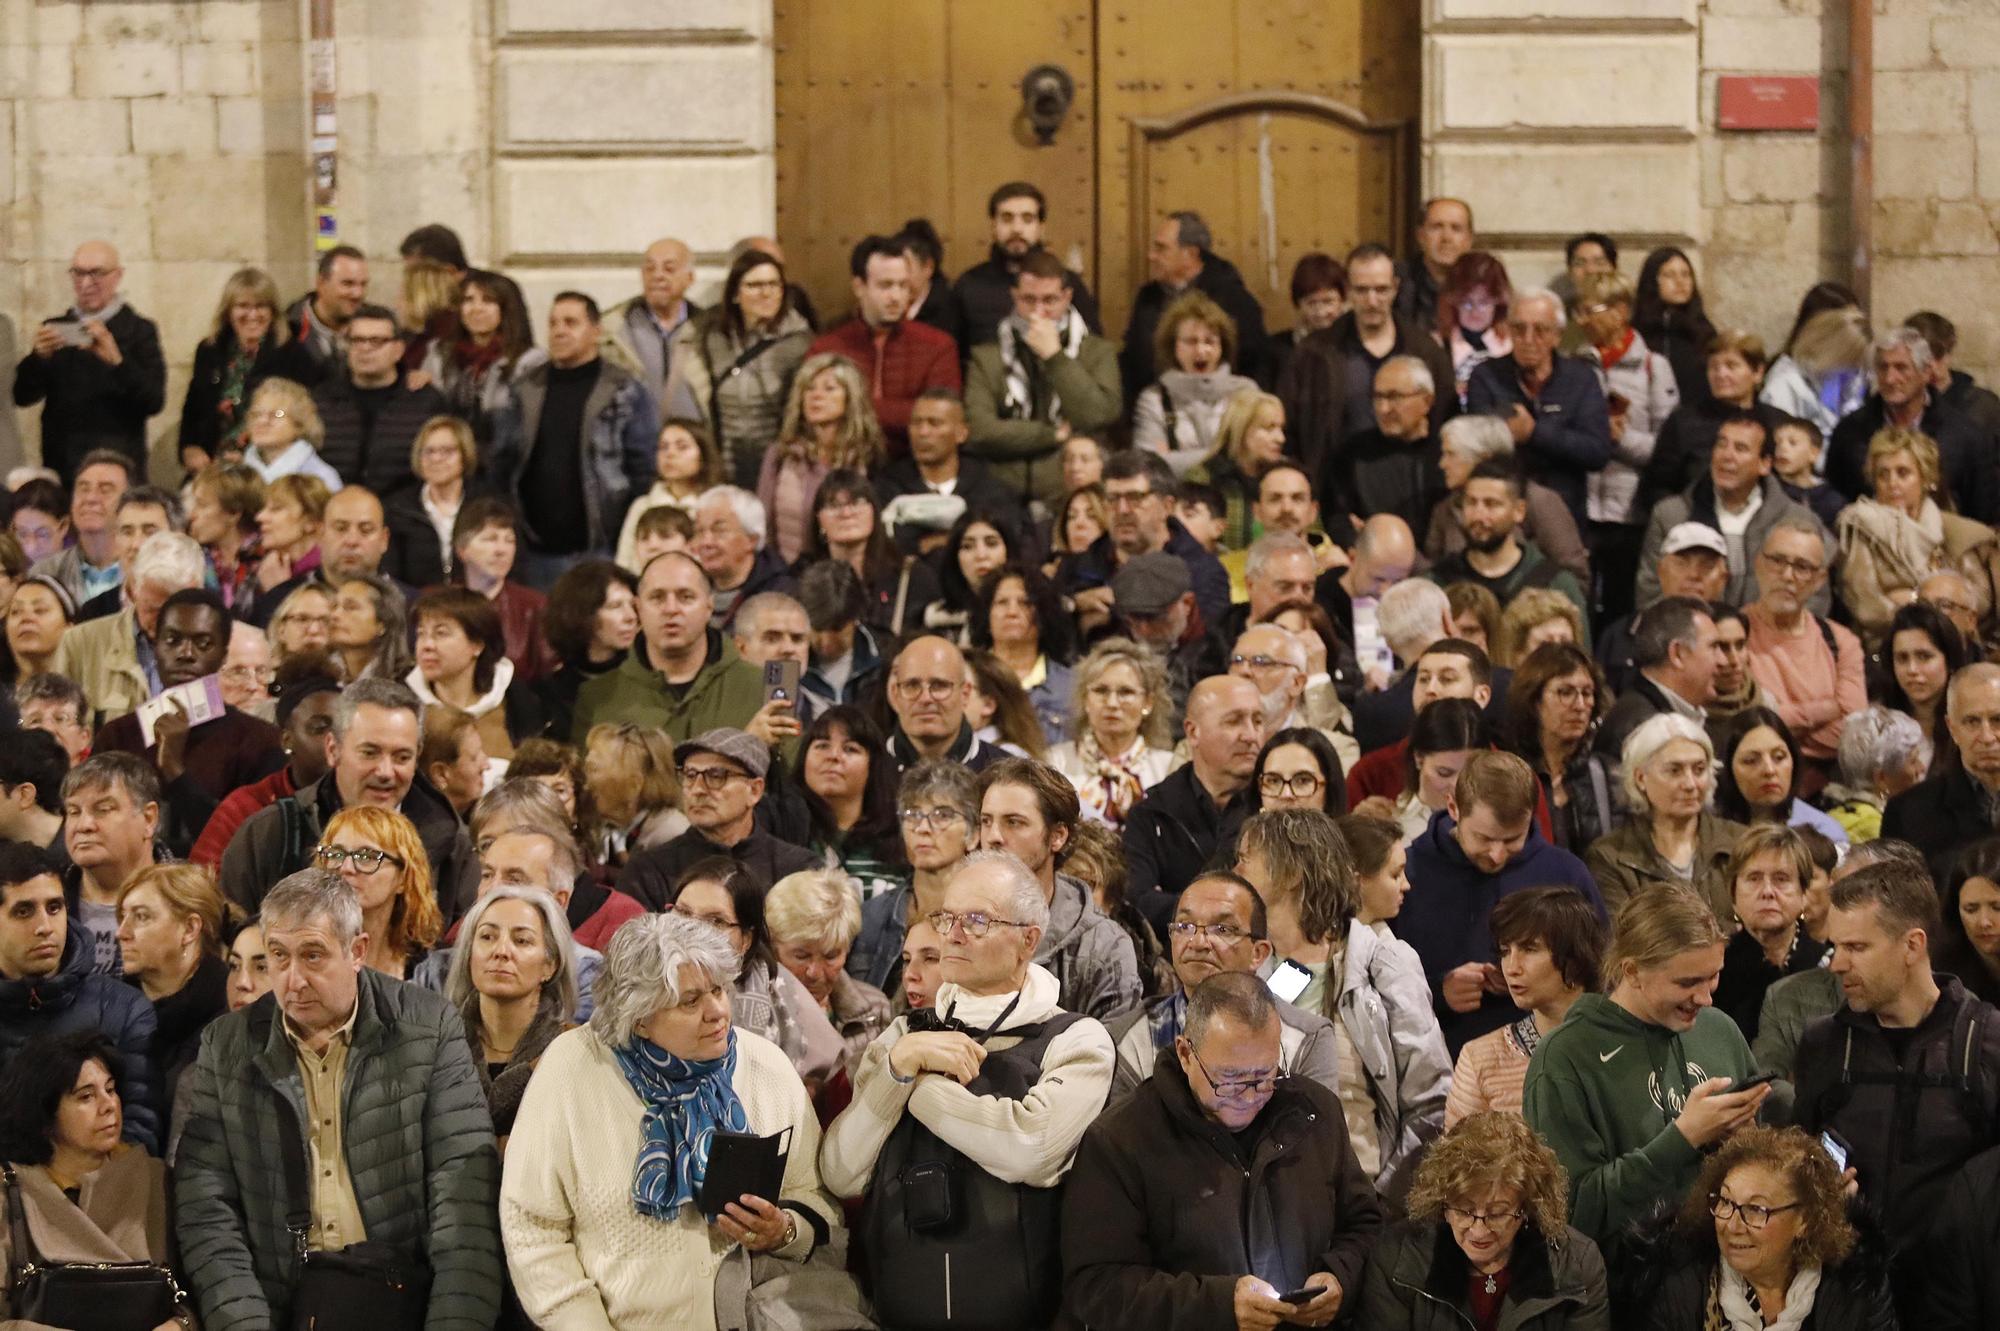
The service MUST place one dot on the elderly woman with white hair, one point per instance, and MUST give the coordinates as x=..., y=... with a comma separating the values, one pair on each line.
x=602, y=1207
x=1464, y=443
x=812, y=917
x=1668, y=770
x=1882, y=754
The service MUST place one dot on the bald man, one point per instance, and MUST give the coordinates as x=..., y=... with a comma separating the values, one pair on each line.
x=1171, y=835
x=638, y=333
x=96, y=367
x=929, y=688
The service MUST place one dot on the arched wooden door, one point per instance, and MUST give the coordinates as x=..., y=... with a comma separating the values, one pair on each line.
x=1289, y=124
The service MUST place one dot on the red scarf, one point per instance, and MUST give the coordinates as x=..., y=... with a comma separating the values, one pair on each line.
x=1610, y=356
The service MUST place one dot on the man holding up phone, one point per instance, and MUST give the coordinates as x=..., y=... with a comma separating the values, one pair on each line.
x=1155, y=1234
x=97, y=368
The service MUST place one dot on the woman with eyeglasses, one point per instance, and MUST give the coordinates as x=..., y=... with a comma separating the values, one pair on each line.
x=938, y=807
x=1488, y=1242
x=378, y=852
x=1298, y=769
x=1121, y=730
x=1555, y=703
x=766, y=997
x=1766, y=1238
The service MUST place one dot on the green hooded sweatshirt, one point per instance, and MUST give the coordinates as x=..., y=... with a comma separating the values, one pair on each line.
x=1603, y=1090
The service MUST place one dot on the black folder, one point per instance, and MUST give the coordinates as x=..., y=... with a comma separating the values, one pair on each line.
x=743, y=1162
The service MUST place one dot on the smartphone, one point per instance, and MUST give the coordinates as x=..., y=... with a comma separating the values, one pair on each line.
x=1300, y=1297
x=72, y=331
x=1289, y=981
x=1751, y=1083
x=781, y=681
x=1835, y=1146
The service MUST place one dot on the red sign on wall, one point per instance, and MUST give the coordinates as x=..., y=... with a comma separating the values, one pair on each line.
x=1767, y=101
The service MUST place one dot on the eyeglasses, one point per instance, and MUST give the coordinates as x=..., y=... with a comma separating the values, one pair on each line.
x=1947, y=606
x=929, y=818
x=1299, y=785
x=1236, y=1088
x=371, y=343
x=266, y=414
x=1493, y=1220
x=1753, y=1215
x=715, y=778
x=1534, y=330
x=976, y=923
x=246, y=672
x=1797, y=568
x=722, y=922
x=1126, y=498
x=937, y=689
x=1573, y=693
x=1394, y=395
x=365, y=859
x=1222, y=935
x=91, y=274
x=1258, y=662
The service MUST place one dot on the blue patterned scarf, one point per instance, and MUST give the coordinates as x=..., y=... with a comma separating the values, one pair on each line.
x=687, y=1103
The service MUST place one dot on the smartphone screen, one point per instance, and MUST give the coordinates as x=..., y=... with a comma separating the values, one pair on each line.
x=1289, y=981
x=1835, y=1148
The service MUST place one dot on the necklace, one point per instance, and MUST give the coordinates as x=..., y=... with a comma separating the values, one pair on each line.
x=1491, y=1286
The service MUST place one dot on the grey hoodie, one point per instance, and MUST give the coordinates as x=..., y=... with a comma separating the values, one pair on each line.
x=1090, y=956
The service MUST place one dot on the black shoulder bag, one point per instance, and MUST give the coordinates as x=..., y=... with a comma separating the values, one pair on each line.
x=83, y=1296
x=362, y=1287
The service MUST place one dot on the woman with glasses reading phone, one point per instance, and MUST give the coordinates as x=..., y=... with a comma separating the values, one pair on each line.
x=1488, y=1242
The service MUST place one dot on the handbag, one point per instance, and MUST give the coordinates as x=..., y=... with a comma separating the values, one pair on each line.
x=362, y=1287
x=83, y=1296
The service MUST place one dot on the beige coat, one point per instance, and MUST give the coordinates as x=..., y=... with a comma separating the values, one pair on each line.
x=102, y=656
x=120, y=1216
x=1884, y=551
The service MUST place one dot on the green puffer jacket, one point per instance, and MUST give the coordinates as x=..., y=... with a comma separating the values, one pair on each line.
x=727, y=691
x=419, y=1146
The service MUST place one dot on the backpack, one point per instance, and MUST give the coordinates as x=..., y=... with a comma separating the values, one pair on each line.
x=298, y=839
x=948, y=1244
x=1960, y=1074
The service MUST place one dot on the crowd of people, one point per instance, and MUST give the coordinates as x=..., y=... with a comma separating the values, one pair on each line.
x=1479, y=810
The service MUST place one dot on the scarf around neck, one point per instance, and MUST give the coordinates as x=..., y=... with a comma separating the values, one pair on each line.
x=1736, y=1303
x=1119, y=782
x=1024, y=367
x=686, y=1103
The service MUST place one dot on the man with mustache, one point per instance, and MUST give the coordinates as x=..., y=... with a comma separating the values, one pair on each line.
x=378, y=732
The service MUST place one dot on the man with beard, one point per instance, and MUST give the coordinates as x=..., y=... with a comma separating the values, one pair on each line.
x=1187, y=818
x=899, y=357
x=1018, y=212
x=1736, y=689
x=1492, y=506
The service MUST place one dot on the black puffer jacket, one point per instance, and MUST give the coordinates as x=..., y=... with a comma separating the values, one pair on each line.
x=1416, y=1281
x=1667, y=1277
x=73, y=999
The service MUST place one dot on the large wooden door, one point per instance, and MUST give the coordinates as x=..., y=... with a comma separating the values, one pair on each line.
x=1288, y=124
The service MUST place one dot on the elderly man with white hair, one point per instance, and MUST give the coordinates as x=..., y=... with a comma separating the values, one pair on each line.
x=1413, y=615
x=1274, y=659
x=1882, y=754
x=991, y=1088
x=112, y=658
x=1464, y=443
x=730, y=542
x=1552, y=406
x=604, y=1209
x=1904, y=398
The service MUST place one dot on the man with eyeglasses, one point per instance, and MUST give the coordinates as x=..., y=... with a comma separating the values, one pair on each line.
x=929, y=688
x=1392, y=466
x=722, y=775
x=899, y=357
x=1274, y=660
x=198, y=765
x=1045, y=377
x=1219, y=928
x=1328, y=385
x=97, y=368
x=1957, y=600
x=730, y=543
x=1197, y=811
x=994, y=1085
x=372, y=752
x=367, y=407
x=1553, y=405
x=1812, y=670
x=1225, y=1180
x=1030, y=810
x=1139, y=488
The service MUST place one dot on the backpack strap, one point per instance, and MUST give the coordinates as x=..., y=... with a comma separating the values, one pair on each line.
x=21, y=1244
x=292, y=818
x=1826, y=636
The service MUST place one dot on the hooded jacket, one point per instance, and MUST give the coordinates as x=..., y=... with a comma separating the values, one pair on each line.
x=1417, y=1277
x=1166, y=1210
x=1444, y=916
x=1604, y=1089
x=1095, y=965
x=74, y=999
x=726, y=691
x=1385, y=1008
x=256, y=860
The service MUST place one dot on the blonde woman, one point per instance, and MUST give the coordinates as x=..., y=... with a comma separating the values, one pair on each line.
x=303, y=623
x=1891, y=541
x=170, y=944
x=630, y=777
x=1121, y=713
x=813, y=917
x=379, y=854
x=285, y=433
x=829, y=424
x=1831, y=344
x=1488, y=1242
x=1180, y=415
x=241, y=347
x=1535, y=616
x=1248, y=443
